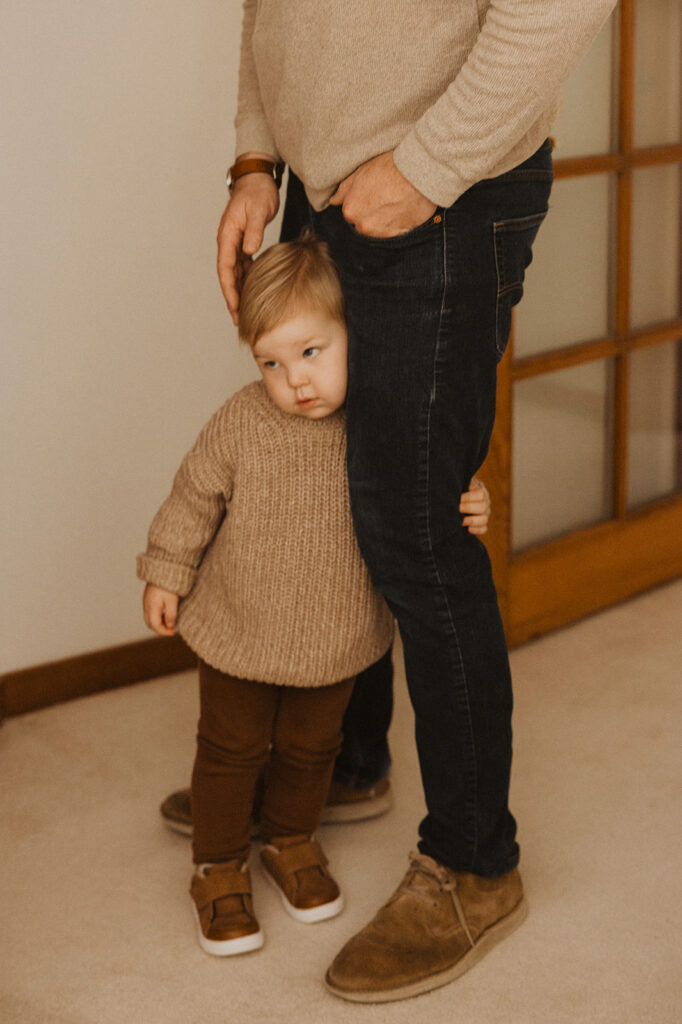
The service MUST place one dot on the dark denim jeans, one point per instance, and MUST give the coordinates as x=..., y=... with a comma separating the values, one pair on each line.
x=428, y=319
x=365, y=757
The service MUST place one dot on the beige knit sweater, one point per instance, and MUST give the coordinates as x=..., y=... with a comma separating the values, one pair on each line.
x=257, y=538
x=460, y=89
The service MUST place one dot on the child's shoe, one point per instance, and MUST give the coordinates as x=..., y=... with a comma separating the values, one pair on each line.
x=224, y=909
x=297, y=867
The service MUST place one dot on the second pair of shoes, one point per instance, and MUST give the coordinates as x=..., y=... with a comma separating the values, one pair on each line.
x=223, y=902
x=344, y=804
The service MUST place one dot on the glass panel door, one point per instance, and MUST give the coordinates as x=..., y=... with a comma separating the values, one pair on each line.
x=585, y=465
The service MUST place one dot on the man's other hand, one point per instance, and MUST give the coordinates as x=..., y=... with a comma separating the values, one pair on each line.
x=378, y=201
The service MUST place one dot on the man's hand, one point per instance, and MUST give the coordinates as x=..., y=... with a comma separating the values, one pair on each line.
x=253, y=204
x=378, y=201
x=160, y=609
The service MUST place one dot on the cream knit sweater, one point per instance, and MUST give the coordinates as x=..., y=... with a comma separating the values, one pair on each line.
x=460, y=89
x=257, y=538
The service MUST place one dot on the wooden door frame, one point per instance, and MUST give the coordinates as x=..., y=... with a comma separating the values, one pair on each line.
x=554, y=583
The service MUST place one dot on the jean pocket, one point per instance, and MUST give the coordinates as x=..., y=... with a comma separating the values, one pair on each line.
x=405, y=237
x=513, y=240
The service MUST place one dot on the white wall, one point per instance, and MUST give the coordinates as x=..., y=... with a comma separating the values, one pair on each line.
x=116, y=342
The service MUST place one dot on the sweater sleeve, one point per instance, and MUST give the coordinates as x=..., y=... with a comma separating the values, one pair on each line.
x=523, y=53
x=190, y=516
x=253, y=133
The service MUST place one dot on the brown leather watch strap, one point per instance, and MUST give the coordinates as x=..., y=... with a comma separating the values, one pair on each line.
x=254, y=165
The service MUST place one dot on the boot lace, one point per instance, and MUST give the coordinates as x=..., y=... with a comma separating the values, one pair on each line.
x=429, y=869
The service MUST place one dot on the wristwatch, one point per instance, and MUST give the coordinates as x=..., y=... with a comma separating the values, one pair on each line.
x=254, y=165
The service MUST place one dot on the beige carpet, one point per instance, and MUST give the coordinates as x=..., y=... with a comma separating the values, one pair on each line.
x=95, y=922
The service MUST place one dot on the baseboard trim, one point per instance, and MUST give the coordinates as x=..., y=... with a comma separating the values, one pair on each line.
x=29, y=689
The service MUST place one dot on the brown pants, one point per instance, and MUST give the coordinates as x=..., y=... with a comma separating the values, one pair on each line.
x=296, y=730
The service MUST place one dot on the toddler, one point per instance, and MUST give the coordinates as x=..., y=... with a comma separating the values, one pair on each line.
x=253, y=558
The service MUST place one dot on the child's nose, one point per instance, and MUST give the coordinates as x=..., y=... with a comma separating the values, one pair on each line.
x=297, y=377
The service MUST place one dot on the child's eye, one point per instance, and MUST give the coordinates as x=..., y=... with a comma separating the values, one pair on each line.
x=271, y=364
x=310, y=352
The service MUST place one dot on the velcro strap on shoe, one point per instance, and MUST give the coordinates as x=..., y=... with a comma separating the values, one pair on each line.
x=207, y=888
x=293, y=858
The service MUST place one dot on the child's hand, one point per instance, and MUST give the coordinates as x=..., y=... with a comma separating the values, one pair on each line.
x=160, y=609
x=475, y=507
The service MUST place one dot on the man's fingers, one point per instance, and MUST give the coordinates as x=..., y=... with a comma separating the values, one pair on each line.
x=229, y=245
x=253, y=236
x=230, y=292
x=232, y=283
x=337, y=199
x=236, y=246
x=229, y=242
x=232, y=299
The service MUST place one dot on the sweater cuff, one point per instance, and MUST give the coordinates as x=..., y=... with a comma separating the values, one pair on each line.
x=179, y=579
x=254, y=136
x=434, y=180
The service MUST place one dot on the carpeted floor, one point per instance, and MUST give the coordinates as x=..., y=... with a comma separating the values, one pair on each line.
x=95, y=921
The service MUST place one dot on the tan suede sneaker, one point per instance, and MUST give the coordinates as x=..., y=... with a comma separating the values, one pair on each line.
x=437, y=925
x=224, y=909
x=297, y=867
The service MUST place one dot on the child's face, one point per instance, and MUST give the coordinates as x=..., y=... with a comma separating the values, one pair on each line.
x=303, y=364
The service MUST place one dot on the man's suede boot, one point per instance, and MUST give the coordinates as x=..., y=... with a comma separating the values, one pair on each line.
x=437, y=925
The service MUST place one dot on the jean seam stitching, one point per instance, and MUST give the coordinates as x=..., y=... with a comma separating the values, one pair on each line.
x=498, y=255
x=473, y=802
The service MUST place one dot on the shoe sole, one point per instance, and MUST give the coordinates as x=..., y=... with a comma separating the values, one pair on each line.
x=333, y=814
x=362, y=810
x=310, y=915
x=228, y=947
x=184, y=828
x=490, y=938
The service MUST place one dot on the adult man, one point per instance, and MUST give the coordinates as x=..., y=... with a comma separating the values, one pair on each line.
x=414, y=137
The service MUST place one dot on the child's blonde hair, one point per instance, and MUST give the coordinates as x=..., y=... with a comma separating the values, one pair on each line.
x=288, y=279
